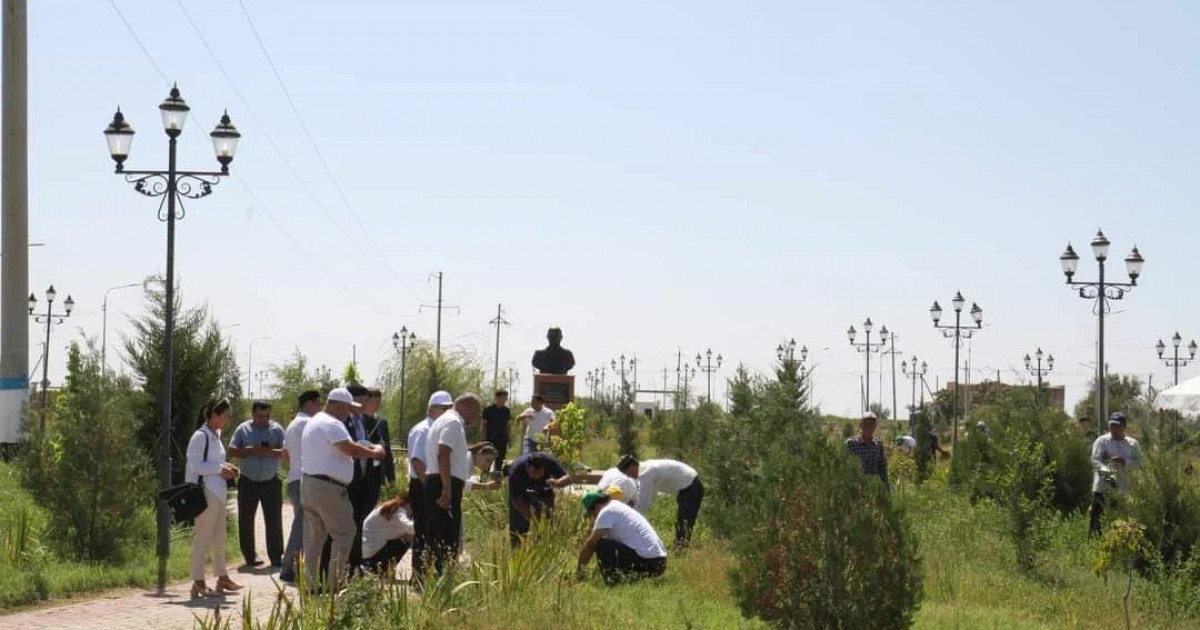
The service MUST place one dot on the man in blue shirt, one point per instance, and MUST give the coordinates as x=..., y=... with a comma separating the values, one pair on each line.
x=258, y=442
x=531, y=482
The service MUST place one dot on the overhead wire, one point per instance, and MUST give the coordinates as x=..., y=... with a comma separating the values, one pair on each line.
x=237, y=174
x=317, y=150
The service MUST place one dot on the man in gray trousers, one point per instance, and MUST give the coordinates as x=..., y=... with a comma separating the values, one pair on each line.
x=309, y=405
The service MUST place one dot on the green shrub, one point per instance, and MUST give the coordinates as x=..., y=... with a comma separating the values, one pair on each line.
x=1022, y=479
x=87, y=470
x=832, y=553
x=923, y=456
x=1166, y=501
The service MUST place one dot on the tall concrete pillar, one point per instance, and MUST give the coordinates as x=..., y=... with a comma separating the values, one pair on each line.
x=14, y=223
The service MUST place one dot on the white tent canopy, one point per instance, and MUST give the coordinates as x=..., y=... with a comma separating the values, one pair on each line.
x=1184, y=397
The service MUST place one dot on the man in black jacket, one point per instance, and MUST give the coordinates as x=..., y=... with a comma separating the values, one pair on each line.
x=369, y=475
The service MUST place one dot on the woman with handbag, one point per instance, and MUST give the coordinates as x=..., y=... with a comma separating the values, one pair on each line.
x=206, y=467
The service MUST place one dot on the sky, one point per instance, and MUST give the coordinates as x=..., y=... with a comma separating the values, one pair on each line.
x=654, y=178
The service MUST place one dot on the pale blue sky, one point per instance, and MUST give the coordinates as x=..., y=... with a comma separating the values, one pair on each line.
x=649, y=177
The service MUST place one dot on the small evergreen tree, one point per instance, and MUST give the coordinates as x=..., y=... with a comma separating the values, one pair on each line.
x=87, y=470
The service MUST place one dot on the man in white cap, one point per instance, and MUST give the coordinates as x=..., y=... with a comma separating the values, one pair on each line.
x=439, y=402
x=448, y=466
x=328, y=468
x=1114, y=456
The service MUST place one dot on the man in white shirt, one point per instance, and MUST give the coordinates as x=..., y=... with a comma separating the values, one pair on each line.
x=310, y=404
x=668, y=477
x=439, y=403
x=536, y=418
x=1114, y=456
x=626, y=484
x=624, y=542
x=327, y=466
x=448, y=466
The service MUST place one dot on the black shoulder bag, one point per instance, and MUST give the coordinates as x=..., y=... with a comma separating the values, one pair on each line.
x=186, y=500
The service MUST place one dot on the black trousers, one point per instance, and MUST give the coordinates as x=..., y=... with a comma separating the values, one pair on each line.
x=619, y=563
x=270, y=494
x=420, y=516
x=445, y=526
x=384, y=562
x=364, y=496
x=1097, y=511
x=688, y=511
x=541, y=504
x=501, y=453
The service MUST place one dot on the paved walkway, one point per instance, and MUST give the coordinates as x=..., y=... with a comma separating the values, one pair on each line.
x=148, y=609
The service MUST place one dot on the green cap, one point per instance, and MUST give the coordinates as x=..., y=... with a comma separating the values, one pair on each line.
x=590, y=499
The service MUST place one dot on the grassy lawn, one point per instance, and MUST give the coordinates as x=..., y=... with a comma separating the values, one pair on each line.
x=30, y=574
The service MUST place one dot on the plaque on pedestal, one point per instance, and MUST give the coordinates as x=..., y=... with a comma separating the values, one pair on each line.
x=556, y=390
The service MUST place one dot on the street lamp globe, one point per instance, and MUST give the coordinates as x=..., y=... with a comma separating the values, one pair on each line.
x=1192, y=349
x=396, y=340
x=935, y=312
x=51, y=294
x=977, y=315
x=1100, y=246
x=32, y=303
x=119, y=136
x=174, y=112
x=1069, y=261
x=1176, y=340
x=1133, y=264
x=69, y=305
x=850, y=333
x=225, y=140
x=1028, y=361
x=1050, y=361
x=883, y=334
x=1161, y=347
x=958, y=301
x=804, y=352
x=868, y=326
x=1039, y=354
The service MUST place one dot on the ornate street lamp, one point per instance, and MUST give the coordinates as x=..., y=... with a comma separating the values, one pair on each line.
x=868, y=348
x=1034, y=366
x=957, y=333
x=403, y=342
x=173, y=185
x=705, y=364
x=1176, y=362
x=1101, y=292
x=50, y=319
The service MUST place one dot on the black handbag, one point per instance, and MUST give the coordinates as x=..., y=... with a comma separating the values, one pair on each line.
x=186, y=500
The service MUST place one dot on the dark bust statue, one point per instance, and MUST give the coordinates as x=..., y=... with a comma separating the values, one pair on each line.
x=553, y=359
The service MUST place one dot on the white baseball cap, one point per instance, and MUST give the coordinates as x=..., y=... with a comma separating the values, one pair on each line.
x=441, y=399
x=342, y=395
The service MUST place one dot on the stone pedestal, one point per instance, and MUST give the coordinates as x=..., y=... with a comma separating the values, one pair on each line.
x=556, y=390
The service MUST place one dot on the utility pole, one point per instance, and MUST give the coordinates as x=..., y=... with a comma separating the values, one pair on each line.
x=439, y=307
x=14, y=225
x=499, y=321
x=895, y=409
x=664, y=388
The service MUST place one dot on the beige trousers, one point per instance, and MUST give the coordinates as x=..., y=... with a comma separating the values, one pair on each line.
x=210, y=536
x=327, y=512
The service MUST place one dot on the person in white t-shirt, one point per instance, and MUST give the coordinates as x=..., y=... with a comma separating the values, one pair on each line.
x=439, y=403
x=624, y=542
x=206, y=466
x=1114, y=456
x=387, y=535
x=627, y=485
x=537, y=417
x=448, y=466
x=310, y=404
x=327, y=466
x=667, y=476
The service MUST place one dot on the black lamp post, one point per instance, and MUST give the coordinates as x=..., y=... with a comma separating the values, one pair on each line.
x=50, y=319
x=786, y=353
x=705, y=364
x=1034, y=366
x=868, y=348
x=1100, y=292
x=173, y=185
x=688, y=374
x=1176, y=362
x=915, y=373
x=403, y=342
x=957, y=333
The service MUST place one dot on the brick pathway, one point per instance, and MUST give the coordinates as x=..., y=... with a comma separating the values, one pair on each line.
x=147, y=609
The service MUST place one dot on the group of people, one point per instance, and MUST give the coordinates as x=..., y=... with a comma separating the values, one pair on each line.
x=1114, y=456
x=337, y=455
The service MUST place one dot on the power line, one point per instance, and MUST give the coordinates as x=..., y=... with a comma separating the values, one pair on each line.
x=316, y=149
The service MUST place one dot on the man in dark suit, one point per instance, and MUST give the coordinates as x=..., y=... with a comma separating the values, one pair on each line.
x=381, y=435
x=368, y=474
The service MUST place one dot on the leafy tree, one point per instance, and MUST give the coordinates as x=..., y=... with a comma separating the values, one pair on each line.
x=204, y=366
x=1122, y=392
x=294, y=376
x=1023, y=478
x=88, y=471
x=741, y=391
x=881, y=412
x=626, y=422
x=460, y=370
x=350, y=374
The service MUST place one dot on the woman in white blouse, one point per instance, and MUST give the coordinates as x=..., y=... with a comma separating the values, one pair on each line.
x=206, y=466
